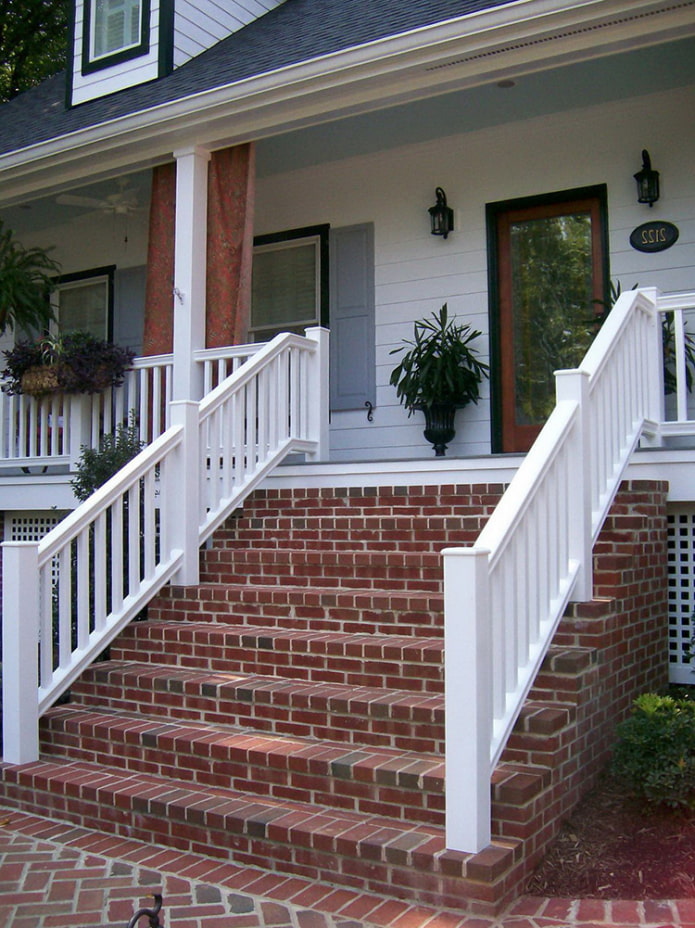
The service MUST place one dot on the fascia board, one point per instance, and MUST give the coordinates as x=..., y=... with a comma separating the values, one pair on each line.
x=385, y=71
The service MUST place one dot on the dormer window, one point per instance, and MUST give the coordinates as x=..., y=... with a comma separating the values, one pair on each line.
x=114, y=31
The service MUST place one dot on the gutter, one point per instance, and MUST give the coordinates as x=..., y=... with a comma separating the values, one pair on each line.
x=468, y=49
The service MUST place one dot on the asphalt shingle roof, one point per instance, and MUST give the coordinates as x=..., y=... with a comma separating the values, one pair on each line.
x=296, y=31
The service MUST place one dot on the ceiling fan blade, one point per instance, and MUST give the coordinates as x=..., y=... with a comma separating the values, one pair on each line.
x=68, y=199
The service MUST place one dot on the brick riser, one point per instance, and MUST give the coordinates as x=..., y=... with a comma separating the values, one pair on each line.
x=370, y=612
x=300, y=728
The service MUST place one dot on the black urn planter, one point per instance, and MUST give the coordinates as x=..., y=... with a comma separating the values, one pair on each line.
x=439, y=425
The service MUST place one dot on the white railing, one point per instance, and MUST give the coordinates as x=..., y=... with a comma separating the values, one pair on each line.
x=505, y=595
x=66, y=597
x=53, y=429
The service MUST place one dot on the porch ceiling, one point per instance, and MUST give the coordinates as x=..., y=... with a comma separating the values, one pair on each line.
x=647, y=70
x=454, y=65
x=535, y=92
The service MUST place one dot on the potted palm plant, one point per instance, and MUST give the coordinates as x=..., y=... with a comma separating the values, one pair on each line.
x=438, y=374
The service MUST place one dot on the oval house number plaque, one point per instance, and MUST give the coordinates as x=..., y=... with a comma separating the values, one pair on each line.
x=654, y=236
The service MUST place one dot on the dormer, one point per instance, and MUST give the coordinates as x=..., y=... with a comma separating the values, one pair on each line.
x=122, y=43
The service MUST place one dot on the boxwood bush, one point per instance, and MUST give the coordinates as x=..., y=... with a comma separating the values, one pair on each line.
x=655, y=752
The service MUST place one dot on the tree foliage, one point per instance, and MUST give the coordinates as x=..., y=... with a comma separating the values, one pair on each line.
x=33, y=43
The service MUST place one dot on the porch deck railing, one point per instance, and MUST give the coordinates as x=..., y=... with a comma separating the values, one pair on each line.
x=53, y=429
x=66, y=597
x=505, y=595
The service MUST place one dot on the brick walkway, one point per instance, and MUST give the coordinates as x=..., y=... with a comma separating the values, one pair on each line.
x=54, y=875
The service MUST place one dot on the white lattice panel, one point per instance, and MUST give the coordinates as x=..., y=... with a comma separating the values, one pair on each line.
x=681, y=594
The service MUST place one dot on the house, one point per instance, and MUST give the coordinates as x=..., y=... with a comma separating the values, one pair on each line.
x=211, y=179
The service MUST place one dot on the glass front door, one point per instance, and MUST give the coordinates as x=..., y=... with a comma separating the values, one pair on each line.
x=549, y=287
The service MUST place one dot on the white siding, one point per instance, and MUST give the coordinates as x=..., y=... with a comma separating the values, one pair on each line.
x=200, y=24
x=117, y=77
x=416, y=272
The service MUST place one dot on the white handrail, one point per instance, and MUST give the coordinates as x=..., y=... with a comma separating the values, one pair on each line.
x=505, y=595
x=88, y=577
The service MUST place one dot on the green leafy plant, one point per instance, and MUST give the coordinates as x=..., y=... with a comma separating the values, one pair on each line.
x=668, y=336
x=440, y=366
x=97, y=465
x=655, y=752
x=77, y=362
x=26, y=278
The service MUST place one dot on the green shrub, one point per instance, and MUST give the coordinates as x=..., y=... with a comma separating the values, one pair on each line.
x=97, y=465
x=655, y=752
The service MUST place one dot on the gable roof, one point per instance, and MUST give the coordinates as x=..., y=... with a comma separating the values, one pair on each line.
x=297, y=31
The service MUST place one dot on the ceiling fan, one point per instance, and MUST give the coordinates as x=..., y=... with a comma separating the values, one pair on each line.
x=123, y=202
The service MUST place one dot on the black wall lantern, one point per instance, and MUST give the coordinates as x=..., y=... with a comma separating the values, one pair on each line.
x=647, y=181
x=441, y=215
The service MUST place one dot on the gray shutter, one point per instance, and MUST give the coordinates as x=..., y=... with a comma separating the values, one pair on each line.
x=129, y=306
x=352, y=361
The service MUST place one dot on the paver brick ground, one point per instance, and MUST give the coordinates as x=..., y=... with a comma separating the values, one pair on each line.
x=54, y=875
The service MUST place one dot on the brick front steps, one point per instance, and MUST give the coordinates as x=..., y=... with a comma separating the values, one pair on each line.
x=288, y=713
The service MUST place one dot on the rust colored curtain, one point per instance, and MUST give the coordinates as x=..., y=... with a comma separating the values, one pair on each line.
x=231, y=191
x=158, y=337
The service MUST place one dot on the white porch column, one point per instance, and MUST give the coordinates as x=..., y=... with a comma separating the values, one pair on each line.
x=190, y=255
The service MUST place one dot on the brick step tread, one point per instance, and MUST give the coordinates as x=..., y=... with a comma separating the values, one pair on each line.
x=568, y=659
x=370, y=852
x=357, y=715
x=401, y=662
x=542, y=719
x=348, y=610
x=371, y=780
x=543, y=734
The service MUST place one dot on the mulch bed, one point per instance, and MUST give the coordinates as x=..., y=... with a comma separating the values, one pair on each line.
x=613, y=847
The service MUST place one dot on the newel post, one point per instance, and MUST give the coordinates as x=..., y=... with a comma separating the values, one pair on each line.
x=573, y=386
x=468, y=698
x=20, y=651
x=317, y=395
x=182, y=493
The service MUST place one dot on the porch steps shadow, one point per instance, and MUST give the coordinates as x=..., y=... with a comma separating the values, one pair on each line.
x=299, y=727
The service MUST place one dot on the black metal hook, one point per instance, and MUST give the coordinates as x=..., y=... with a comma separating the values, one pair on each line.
x=152, y=914
x=370, y=411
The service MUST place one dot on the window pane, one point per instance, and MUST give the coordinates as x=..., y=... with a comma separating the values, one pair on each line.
x=284, y=290
x=552, y=292
x=84, y=307
x=116, y=25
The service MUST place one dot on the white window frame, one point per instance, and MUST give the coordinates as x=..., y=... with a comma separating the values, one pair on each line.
x=127, y=6
x=256, y=332
x=75, y=283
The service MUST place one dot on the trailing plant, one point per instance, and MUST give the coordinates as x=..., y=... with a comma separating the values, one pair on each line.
x=77, y=362
x=655, y=752
x=440, y=366
x=26, y=278
x=97, y=465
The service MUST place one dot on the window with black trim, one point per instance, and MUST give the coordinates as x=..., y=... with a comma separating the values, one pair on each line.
x=114, y=31
x=85, y=301
x=289, y=283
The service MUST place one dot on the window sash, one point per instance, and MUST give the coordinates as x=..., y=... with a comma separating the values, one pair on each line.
x=83, y=305
x=286, y=287
x=116, y=26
